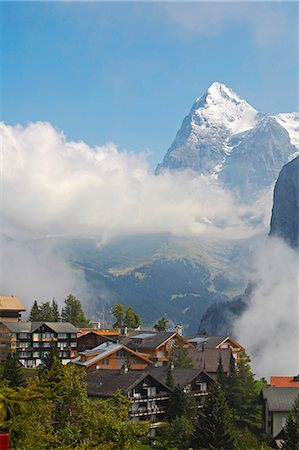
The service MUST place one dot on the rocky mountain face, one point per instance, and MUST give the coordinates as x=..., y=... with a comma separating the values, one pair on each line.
x=226, y=138
x=285, y=212
x=220, y=317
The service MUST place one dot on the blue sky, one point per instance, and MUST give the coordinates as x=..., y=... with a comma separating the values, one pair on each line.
x=129, y=72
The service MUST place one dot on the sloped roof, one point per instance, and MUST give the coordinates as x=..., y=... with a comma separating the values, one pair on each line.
x=283, y=382
x=11, y=303
x=181, y=376
x=103, y=383
x=150, y=340
x=208, y=360
x=211, y=341
x=280, y=398
x=30, y=327
x=103, y=350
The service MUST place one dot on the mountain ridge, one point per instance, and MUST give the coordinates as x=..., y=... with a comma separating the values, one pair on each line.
x=219, y=124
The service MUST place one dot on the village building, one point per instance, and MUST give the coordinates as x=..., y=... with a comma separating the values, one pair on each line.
x=88, y=339
x=11, y=308
x=147, y=390
x=156, y=345
x=217, y=342
x=208, y=360
x=277, y=405
x=112, y=356
x=31, y=341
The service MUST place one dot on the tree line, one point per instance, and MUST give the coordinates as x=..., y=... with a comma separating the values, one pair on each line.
x=49, y=312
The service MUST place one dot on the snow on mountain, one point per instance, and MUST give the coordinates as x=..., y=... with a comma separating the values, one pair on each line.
x=222, y=106
x=226, y=138
x=290, y=121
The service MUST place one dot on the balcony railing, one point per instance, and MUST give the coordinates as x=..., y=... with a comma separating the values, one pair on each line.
x=147, y=411
x=149, y=398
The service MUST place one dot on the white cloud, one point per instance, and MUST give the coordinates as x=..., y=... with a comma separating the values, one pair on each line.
x=269, y=328
x=55, y=187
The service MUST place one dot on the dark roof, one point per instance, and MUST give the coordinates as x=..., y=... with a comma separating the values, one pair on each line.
x=103, y=383
x=149, y=340
x=30, y=327
x=280, y=398
x=181, y=376
x=208, y=360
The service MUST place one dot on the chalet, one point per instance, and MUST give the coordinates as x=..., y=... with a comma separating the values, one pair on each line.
x=112, y=356
x=147, y=390
x=277, y=404
x=155, y=345
x=208, y=360
x=31, y=341
x=88, y=339
x=11, y=308
x=216, y=342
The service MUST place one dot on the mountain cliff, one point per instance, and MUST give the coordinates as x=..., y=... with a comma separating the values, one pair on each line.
x=285, y=212
x=226, y=138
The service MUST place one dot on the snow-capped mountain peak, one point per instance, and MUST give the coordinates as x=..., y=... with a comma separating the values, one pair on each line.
x=221, y=106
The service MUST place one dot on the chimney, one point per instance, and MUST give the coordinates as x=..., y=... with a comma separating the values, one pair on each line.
x=124, y=369
x=296, y=378
x=179, y=330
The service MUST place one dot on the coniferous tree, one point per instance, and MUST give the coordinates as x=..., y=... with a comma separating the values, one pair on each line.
x=46, y=312
x=50, y=360
x=180, y=404
x=214, y=429
x=169, y=378
x=179, y=355
x=12, y=371
x=35, y=315
x=221, y=378
x=55, y=311
x=73, y=312
x=244, y=390
x=292, y=428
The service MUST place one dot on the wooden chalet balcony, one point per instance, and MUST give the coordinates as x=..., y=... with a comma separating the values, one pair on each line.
x=144, y=411
x=200, y=394
x=139, y=398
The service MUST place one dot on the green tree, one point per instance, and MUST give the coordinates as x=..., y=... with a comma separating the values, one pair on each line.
x=161, y=324
x=73, y=312
x=292, y=428
x=169, y=377
x=221, y=378
x=244, y=391
x=35, y=315
x=50, y=360
x=181, y=403
x=132, y=319
x=119, y=313
x=214, y=429
x=12, y=371
x=55, y=311
x=179, y=355
x=46, y=312
x=178, y=434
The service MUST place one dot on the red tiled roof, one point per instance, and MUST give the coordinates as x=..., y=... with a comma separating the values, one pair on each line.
x=283, y=382
x=99, y=332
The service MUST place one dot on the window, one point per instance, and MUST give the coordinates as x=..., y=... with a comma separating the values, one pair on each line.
x=23, y=335
x=121, y=354
x=74, y=344
x=62, y=345
x=35, y=355
x=62, y=336
x=73, y=336
x=105, y=362
x=48, y=335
